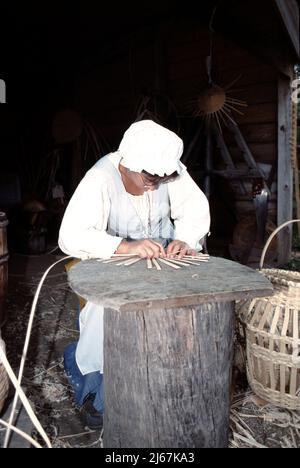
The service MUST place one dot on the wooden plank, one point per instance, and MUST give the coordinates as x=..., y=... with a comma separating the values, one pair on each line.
x=259, y=134
x=285, y=172
x=289, y=12
x=221, y=144
x=249, y=74
x=245, y=150
x=259, y=113
x=294, y=155
x=263, y=153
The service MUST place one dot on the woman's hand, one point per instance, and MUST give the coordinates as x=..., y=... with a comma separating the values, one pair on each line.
x=145, y=248
x=179, y=249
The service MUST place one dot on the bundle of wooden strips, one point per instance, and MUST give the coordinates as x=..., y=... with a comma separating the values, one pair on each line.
x=272, y=340
x=174, y=262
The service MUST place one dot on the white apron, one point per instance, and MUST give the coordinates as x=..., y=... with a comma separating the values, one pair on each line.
x=126, y=221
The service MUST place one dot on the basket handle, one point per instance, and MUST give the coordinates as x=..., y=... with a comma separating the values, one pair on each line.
x=262, y=258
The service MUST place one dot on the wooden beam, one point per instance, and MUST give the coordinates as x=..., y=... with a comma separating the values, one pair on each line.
x=285, y=172
x=294, y=155
x=289, y=12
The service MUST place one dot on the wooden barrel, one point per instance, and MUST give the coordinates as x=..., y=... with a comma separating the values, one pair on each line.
x=3, y=265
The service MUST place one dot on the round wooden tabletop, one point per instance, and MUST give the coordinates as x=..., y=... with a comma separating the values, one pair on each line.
x=136, y=287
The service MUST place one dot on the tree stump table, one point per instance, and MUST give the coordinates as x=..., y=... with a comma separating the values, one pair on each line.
x=168, y=346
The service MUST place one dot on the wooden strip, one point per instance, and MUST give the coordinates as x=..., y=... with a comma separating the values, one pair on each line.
x=132, y=261
x=295, y=329
x=275, y=375
x=256, y=314
x=166, y=262
x=178, y=262
x=112, y=260
x=264, y=365
x=190, y=262
x=293, y=381
x=198, y=260
x=263, y=319
x=196, y=256
x=156, y=264
x=283, y=347
x=124, y=261
x=124, y=255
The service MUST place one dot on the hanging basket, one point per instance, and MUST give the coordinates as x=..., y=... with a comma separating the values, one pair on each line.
x=272, y=337
x=4, y=381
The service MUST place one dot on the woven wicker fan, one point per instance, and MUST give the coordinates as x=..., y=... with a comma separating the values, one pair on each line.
x=216, y=106
x=213, y=102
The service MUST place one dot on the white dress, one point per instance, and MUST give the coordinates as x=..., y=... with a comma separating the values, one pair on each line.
x=101, y=213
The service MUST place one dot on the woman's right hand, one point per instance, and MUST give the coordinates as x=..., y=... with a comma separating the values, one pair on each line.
x=146, y=248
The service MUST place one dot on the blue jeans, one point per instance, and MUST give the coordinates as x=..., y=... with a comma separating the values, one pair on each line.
x=83, y=385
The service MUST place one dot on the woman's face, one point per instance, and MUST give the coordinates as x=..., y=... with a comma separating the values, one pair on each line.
x=137, y=183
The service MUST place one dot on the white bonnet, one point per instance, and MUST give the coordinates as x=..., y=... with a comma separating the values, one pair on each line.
x=148, y=146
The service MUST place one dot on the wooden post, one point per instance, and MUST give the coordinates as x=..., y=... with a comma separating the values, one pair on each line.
x=4, y=256
x=285, y=172
x=168, y=338
x=171, y=374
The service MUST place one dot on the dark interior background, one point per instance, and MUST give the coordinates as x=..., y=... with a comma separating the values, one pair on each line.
x=97, y=59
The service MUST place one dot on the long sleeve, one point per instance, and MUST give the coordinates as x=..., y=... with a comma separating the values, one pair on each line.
x=83, y=229
x=189, y=210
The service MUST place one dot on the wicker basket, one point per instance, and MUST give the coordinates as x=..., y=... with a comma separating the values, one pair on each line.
x=272, y=337
x=4, y=382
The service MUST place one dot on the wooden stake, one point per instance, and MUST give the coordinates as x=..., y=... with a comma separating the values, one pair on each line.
x=192, y=262
x=124, y=255
x=117, y=259
x=156, y=264
x=132, y=261
x=196, y=257
x=125, y=261
x=178, y=262
x=166, y=262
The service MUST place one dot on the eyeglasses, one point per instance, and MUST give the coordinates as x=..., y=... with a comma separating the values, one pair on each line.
x=155, y=181
x=149, y=183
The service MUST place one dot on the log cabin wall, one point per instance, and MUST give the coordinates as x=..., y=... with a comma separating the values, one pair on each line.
x=170, y=60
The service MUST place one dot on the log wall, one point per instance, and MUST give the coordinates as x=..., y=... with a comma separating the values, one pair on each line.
x=179, y=67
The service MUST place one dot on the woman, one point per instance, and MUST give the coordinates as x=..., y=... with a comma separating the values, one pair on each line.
x=139, y=199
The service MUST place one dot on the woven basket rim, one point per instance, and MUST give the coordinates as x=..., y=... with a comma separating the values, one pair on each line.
x=275, y=397
x=286, y=277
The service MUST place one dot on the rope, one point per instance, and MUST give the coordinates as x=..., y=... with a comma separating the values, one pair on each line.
x=17, y=382
x=270, y=239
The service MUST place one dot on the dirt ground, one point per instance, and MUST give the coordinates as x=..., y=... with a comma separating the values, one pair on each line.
x=254, y=424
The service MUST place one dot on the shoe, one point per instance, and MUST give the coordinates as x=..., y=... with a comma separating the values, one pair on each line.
x=93, y=418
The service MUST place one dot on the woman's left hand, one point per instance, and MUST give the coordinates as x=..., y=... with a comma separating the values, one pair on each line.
x=179, y=249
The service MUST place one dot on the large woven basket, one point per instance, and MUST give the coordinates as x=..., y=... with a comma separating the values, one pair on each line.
x=4, y=382
x=272, y=337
